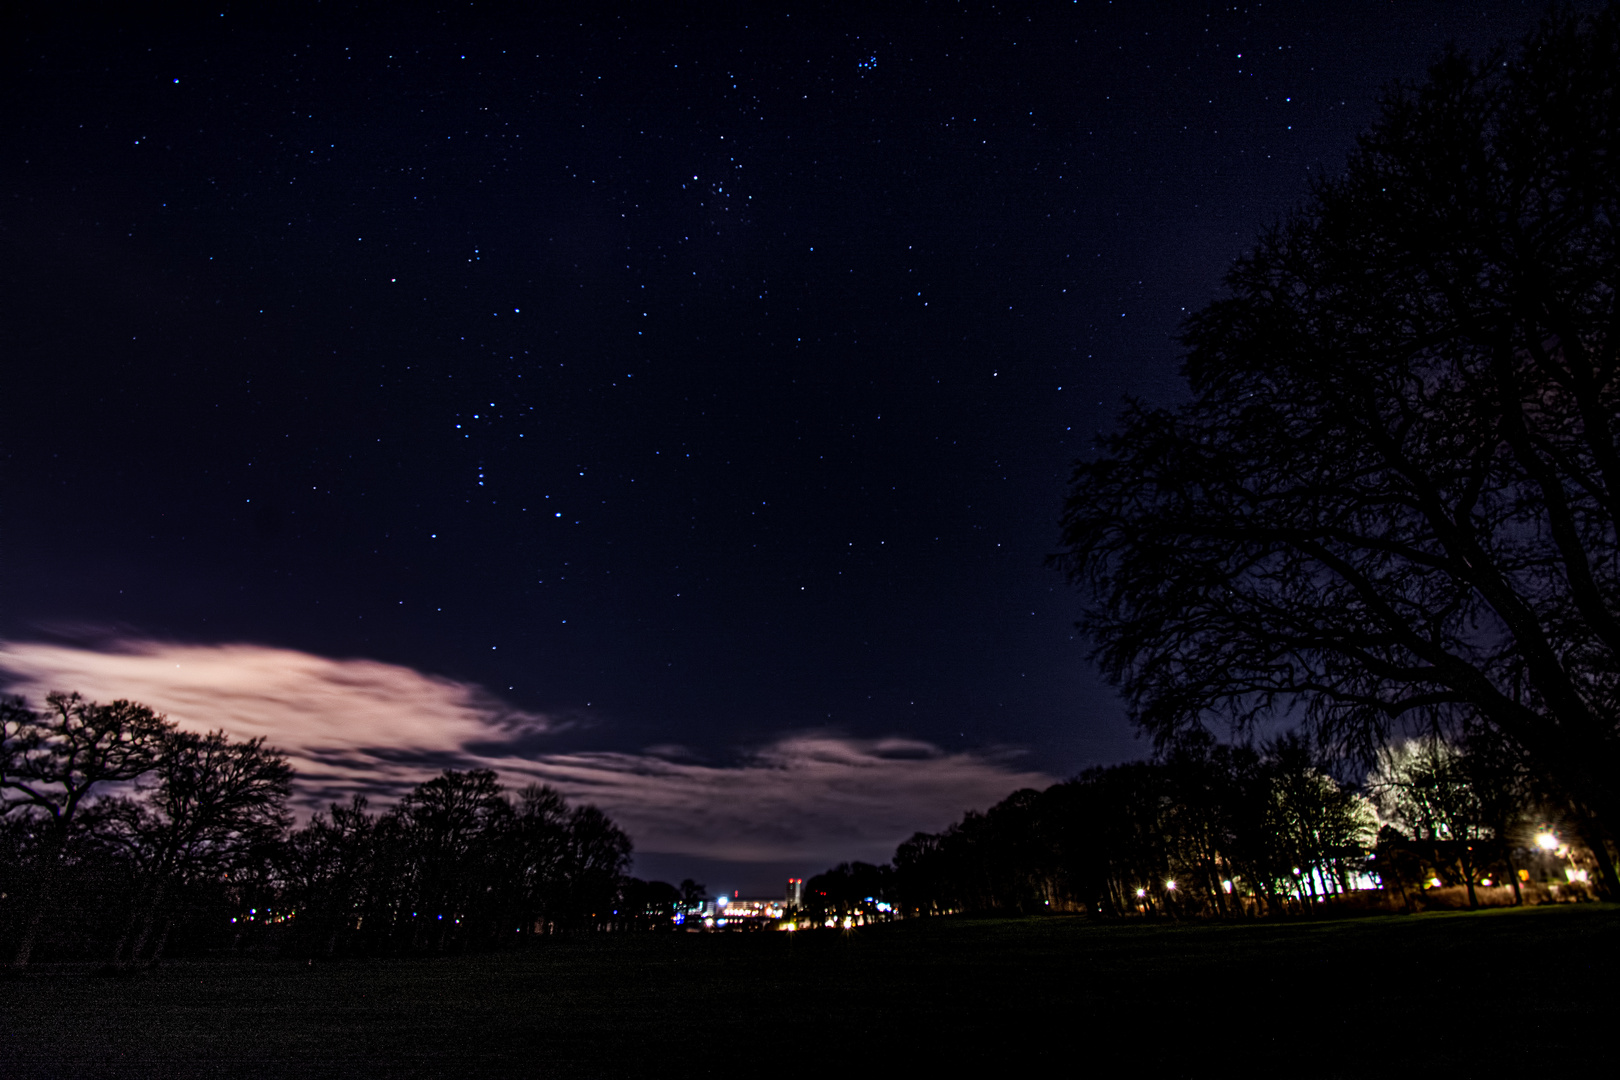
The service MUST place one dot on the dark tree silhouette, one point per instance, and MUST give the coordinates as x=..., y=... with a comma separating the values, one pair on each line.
x=848, y=890
x=457, y=865
x=51, y=764
x=450, y=830
x=1211, y=829
x=597, y=854
x=648, y=904
x=1393, y=497
x=212, y=804
x=329, y=868
x=693, y=894
x=540, y=852
x=120, y=833
x=1505, y=791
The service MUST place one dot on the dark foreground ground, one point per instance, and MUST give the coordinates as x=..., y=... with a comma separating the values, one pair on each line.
x=1455, y=992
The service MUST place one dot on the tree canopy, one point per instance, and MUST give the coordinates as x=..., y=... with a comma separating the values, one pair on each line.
x=1391, y=500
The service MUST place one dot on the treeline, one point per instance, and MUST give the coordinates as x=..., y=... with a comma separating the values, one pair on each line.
x=123, y=838
x=457, y=864
x=1212, y=829
x=1198, y=831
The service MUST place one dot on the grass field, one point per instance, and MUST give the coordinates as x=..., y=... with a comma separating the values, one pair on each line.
x=1528, y=988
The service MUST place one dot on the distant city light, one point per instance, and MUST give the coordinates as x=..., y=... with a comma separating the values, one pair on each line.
x=1546, y=841
x=1171, y=885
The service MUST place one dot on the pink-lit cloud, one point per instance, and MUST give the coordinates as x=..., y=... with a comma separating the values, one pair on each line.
x=373, y=728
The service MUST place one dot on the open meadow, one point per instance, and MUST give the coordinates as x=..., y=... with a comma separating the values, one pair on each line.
x=1510, y=988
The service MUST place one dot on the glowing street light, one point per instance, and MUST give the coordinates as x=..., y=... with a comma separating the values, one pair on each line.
x=1171, y=885
x=1546, y=841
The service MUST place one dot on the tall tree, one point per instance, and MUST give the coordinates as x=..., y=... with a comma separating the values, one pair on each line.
x=452, y=826
x=1394, y=494
x=214, y=801
x=329, y=874
x=51, y=764
x=539, y=850
x=597, y=858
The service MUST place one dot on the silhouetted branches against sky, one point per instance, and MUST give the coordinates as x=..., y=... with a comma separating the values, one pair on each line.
x=1393, y=498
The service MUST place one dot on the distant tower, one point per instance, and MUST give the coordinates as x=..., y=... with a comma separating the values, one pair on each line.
x=795, y=892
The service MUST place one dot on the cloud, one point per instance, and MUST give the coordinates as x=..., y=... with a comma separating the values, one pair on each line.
x=361, y=726
x=809, y=796
x=347, y=725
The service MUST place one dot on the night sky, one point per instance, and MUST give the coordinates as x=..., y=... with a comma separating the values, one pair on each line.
x=680, y=406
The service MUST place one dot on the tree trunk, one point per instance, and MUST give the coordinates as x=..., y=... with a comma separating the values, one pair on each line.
x=44, y=893
x=1507, y=860
x=131, y=925
x=162, y=941
x=1597, y=839
x=1467, y=861
x=1212, y=880
x=148, y=919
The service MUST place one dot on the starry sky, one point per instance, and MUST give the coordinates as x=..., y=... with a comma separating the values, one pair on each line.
x=676, y=407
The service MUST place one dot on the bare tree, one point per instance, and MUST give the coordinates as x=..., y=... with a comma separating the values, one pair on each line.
x=53, y=761
x=213, y=802
x=1392, y=500
x=456, y=865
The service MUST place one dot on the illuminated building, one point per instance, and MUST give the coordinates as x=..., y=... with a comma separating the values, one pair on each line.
x=733, y=913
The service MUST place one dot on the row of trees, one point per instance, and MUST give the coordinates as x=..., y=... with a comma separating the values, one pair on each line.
x=1223, y=830
x=851, y=889
x=121, y=834
x=457, y=864
x=1390, y=502
x=1208, y=825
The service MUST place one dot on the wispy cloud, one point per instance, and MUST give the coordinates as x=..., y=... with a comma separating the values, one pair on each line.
x=347, y=725
x=809, y=796
x=363, y=726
